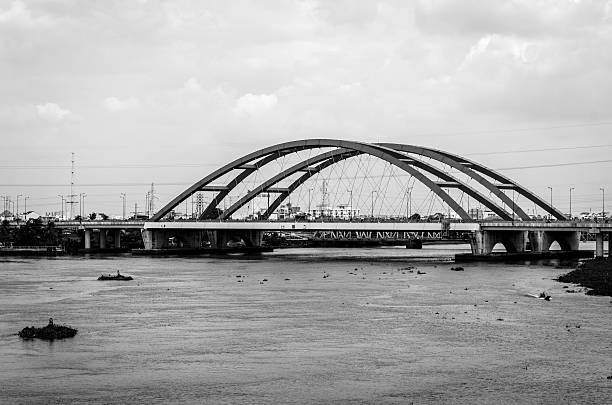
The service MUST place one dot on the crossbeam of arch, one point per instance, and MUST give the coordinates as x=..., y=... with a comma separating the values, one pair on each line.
x=477, y=167
x=330, y=158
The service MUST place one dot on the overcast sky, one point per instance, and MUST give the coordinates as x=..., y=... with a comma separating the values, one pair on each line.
x=180, y=83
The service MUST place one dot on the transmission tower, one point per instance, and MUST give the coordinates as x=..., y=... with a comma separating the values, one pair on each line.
x=199, y=204
x=71, y=195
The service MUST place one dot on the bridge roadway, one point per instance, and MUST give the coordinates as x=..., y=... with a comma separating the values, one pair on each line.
x=592, y=227
x=514, y=235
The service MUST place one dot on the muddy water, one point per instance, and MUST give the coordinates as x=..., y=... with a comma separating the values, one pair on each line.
x=372, y=331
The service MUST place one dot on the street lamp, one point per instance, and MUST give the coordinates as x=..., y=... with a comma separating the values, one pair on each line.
x=409, y=204
x=309, y=191
x=551, y=206
x=82, y=203
x=25, y=207
x=603, y=203
x=18, y=195
x=123, y=198
x=373, y=192
x=570, y=207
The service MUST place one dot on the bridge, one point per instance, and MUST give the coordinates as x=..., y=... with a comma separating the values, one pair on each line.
x=389, y=180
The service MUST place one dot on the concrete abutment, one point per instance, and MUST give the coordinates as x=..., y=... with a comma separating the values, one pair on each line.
x=483, y=242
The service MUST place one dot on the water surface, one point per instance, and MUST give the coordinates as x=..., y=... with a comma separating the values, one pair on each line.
x=189, y=330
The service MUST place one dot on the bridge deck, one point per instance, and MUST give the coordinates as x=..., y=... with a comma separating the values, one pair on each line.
x=593, y=227
x=314, y=226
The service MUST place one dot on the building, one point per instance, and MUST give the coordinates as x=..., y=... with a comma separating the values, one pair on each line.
x=285, y=211
x=30, y=215
x=7, y=216
x=341, y=211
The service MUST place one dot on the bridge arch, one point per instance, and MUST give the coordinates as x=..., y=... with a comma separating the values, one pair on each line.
x=398, y=155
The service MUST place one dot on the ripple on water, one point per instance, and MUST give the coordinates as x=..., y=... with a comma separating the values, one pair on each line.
x=186, y=331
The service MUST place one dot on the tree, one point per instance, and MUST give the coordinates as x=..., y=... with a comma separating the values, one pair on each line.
x=104, y=216
x=92, y=216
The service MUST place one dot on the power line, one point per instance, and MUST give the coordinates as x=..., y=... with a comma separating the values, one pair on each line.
x=95, y=184
x=539, y=150
x=489, y=131
x=117, y=166
x=555, y=165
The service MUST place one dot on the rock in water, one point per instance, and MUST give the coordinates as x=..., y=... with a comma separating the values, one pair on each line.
x=49, y=332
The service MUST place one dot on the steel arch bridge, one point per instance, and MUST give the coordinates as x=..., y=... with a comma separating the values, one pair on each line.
x=416, y=161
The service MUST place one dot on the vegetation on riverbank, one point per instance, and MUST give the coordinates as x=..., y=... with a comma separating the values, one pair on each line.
x=594, y=274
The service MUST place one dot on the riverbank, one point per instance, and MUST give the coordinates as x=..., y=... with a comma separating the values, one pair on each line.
x=594, y=274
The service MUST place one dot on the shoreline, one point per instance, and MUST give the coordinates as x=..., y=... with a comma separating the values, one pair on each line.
x=595, y=274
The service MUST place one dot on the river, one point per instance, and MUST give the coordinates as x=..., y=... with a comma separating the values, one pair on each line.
x=328, y=326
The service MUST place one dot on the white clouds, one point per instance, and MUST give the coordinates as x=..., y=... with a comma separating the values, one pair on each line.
x=53, y=112
x=20, y=15
x=253, y=105
x=114, y=104
x=192, y=84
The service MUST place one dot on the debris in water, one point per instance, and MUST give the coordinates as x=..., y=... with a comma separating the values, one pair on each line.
x=49, y=332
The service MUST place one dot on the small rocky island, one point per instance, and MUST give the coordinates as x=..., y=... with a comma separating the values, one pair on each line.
x=118, y=277
x=594, y=274
x=49, y=332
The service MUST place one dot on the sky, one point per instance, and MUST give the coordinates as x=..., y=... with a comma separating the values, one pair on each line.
x=167, y=91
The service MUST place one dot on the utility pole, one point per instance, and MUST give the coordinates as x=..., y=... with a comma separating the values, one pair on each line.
x=25, y=209
x=570, y=207
x=136, y=210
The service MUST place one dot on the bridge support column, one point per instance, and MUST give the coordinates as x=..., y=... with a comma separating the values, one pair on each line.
x=477, y=243
x=117, y=238
x=87, y=238
x=599, y=245
x=541, y=240
x=102, y=238
x=219, y=239
x=255, y=238
x=149, y=239
x=192, y=239
x=483, y=242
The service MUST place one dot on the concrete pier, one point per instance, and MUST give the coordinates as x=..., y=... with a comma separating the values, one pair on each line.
x=87, y=238
x=599, y=245
x=117, y=238
x=102, y=238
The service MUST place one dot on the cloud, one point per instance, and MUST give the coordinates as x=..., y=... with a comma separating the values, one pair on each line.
x=192, y=84
x=252, y=104
x=52, y=112
x=114, y=104
x=20, y=15
x=519, y=17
